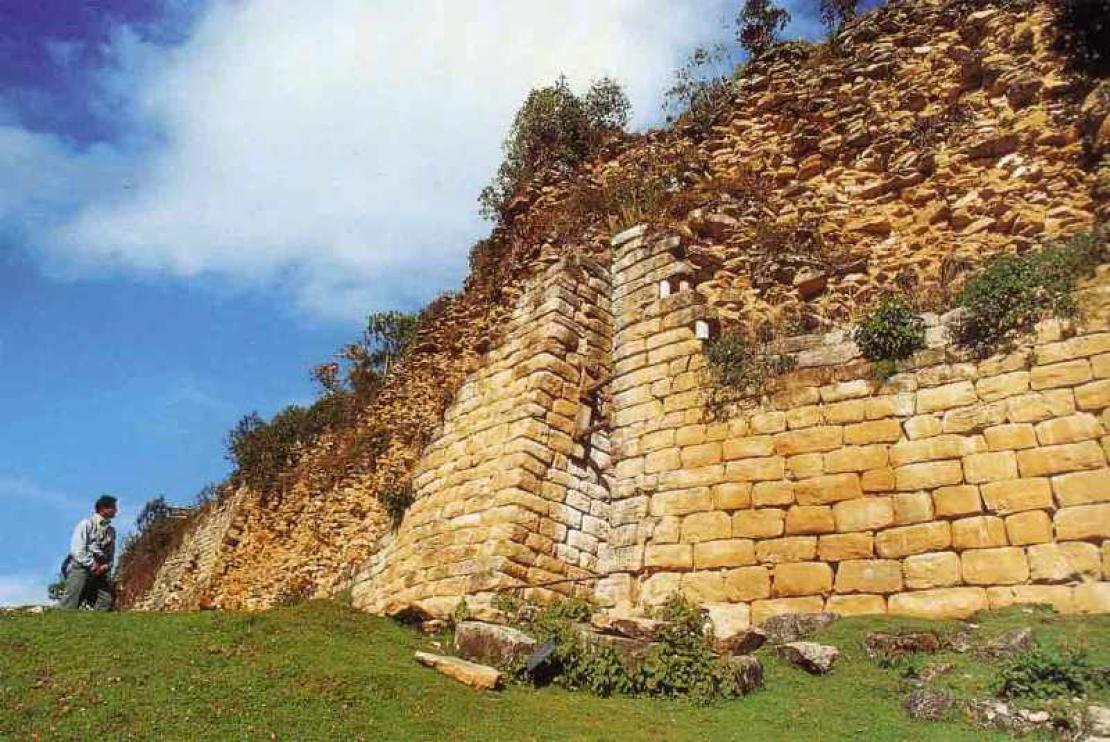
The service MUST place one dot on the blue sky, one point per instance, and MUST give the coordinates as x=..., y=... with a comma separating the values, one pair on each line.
x=203, y=198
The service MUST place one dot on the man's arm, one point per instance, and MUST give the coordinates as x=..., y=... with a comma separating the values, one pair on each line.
x=79, y=546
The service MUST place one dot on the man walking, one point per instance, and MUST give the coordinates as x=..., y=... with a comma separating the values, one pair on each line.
x=91, y=551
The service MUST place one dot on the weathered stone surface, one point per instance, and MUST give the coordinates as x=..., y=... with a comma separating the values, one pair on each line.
x=885, y=644
x=837, y=547
x=980, y=532
x=942, y=603
x=490, y=644
x=856, y=605
x=869, y=576
x=1017, y=495
x=748, y=583
x=476, y=676
x=1082, y=522
x=924, y=571
x=632, y=627
x=1057, y=596
x=928, y=704
x=1005, y=566
x=792, y=627
x=1082, y=488
x=747, y=672
x=802, y=578
x=1064, y=562
x=916, y=539
x=814, y=658
x=863, y=514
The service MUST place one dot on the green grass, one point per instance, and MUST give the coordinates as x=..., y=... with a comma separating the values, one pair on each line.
x=323, y=671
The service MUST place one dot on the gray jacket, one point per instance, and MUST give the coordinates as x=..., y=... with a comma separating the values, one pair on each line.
x=93, y=542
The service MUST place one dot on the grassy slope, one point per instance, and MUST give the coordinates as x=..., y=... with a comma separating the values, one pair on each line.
x=323, y=671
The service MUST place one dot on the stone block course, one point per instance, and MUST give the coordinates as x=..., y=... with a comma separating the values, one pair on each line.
x=863, y=514
x=1017, y=494
x=904, y=541
x=1002, y=566
x=934, y=569
x=869, y=576
x=802, y=578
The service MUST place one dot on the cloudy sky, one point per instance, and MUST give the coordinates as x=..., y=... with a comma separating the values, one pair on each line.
x=201, y=199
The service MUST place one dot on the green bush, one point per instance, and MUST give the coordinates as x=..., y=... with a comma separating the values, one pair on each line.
x=554, y=131
x=396, y=501
x=1014, y=292
x=890, y=332
x=1046, y=673
x=741, y=365
x=759, y=24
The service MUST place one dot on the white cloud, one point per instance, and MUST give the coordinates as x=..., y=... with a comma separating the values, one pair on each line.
x=332, y=149
x=22, y=589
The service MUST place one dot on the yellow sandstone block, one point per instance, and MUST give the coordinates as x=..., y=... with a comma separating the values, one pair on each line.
x=729, y=553
x=756, y=470
x=999, y=387
x=1092, y=597
x=764, y=609
x=809, y=519
x=869, y=576
x=864, y=514
x=942, y=603
x=1061, y=459
x=1017, y=495
x=681, y=502
x=912, y=507
x=855, y=459
x=1082, y=488
x=810, y=440
x=935, y=569
x=836, y=547
x=1083, y=522
x=1094, y=396
x=828, y=489
x=1069, y=373
x=768, y=494
x=878, y=480
x=761, y=523
x=990, y=467
x=1057, y=596
x=929, y=475
x=1064, y=562
x=933, y=449
x=802, y=578
x=704, y=587
x=804, y=417
x=806, y=465
x=732, y=496
x=1004, y=566
x=709, y=526
x=915, y=539
x=670, y=557
x=959, y=500
x=704, y=454
x=759, y=446
x=839, y=413
x=874, y=431
x=1030, y=527
x=748, y=583
x=1010, y=437
x=856, y=605
x=980, y=532
x=789, y=549
x=945, y=397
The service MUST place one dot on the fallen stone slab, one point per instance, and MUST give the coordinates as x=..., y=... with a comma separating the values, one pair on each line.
x=492, y=644
x=480, y=677
x=814, y=658
x=645, y=629
x=880, y=644
x=747, y=671
x=794, y=627
x=741, y=642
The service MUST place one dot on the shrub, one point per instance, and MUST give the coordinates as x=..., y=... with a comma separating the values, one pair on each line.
x=396, y=500
x=1046, y=673
x=702, y=88
x=759, y=24
x=554, y=131
x=1014, y=292
x=890, y=332
x=156, y=534
x=835, y=13
x=740, y=365
x=1084, y=34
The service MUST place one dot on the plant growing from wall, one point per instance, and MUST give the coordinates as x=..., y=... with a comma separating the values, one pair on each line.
x=759, y=24
x=738, y=367
x=890, y=332
x=1013, y=292
x=702, y=86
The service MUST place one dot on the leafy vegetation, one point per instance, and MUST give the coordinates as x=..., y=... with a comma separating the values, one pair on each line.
x=1047, y=672
x=553, y=132
x=890, y=332
x=836, y=13
x=738, y=366
x=1013, y=292
x=323, y=671
x=1084, y=34
x=759, y=24
x=702, y=86
x=157, y=533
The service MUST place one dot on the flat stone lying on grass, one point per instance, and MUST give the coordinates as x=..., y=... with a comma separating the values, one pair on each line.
x=928, y=704
x=1098, y=723
x=794, y=627
x=476, y=676
x=1012, y=642
x=1006, y=718
x=812, y=657
x=492, y=644
x=879, y=644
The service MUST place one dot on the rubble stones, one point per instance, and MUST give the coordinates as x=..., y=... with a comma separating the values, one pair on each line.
x=491, y=644
x=795, y=626
x=816, y=659
x=479, y=677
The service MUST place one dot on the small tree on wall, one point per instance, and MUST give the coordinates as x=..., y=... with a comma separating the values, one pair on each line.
x=835, y=13
x=759, y=24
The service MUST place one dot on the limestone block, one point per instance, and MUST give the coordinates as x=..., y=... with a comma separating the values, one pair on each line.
x=955, y=501
x=757, y=446
x=659, y=588
x=1082, y=488
x=922, y=426
x=1037, y=462
x=704, y=454
x=1017, y=495
x=990, y=467
x=934, y=448
x=748, y=583
x=979, y=532
x=682, y=502
x=1094, y=396
x=732, y=496
x=941, y=603
x=1030, y=527
x=704, y=587
x=1077, y=347
x=1081, y=426
x=768, y=422
x=810, y=440
x=836, y=547
x=756, y=470
x=804, y=417
x=916, y=539
x=935, y=569
x=760, y=523
x=928, y=475
x=1092, y=597
x=725, y=553
x=855, y=459
x=1003, y=566
x=1064, y=562
x=1101, y=366
x=856, y=605
x=839, y=413
x=878, y=480
x=869, y=576
x=937, y=399
x=864, y=514
x=703, y=476
x=709, y=526
x=828, y=489
x=809, y=519
x=1034, y=407
x=802, y=578
x=668, y=557
x=788, y=549
x=999, y=387
x=912, y=507
x=1083, y=522
x=846, y=390
x=687, y=435
x=1057, y=596
x=769, y=494
x=874, y=431
x=1068, y=373
x=765, y=609
x=1010, y=437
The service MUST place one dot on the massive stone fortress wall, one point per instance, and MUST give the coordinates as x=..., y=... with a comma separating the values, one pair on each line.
x=951, y=487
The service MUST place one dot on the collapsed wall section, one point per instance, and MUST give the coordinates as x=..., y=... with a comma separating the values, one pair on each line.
x=954, y=485
x=513, y=489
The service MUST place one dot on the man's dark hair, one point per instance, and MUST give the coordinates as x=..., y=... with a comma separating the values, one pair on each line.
x=105, y=501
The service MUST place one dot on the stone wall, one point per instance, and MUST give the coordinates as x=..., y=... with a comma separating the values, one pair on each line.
x=953, y=486
x=513, y=489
